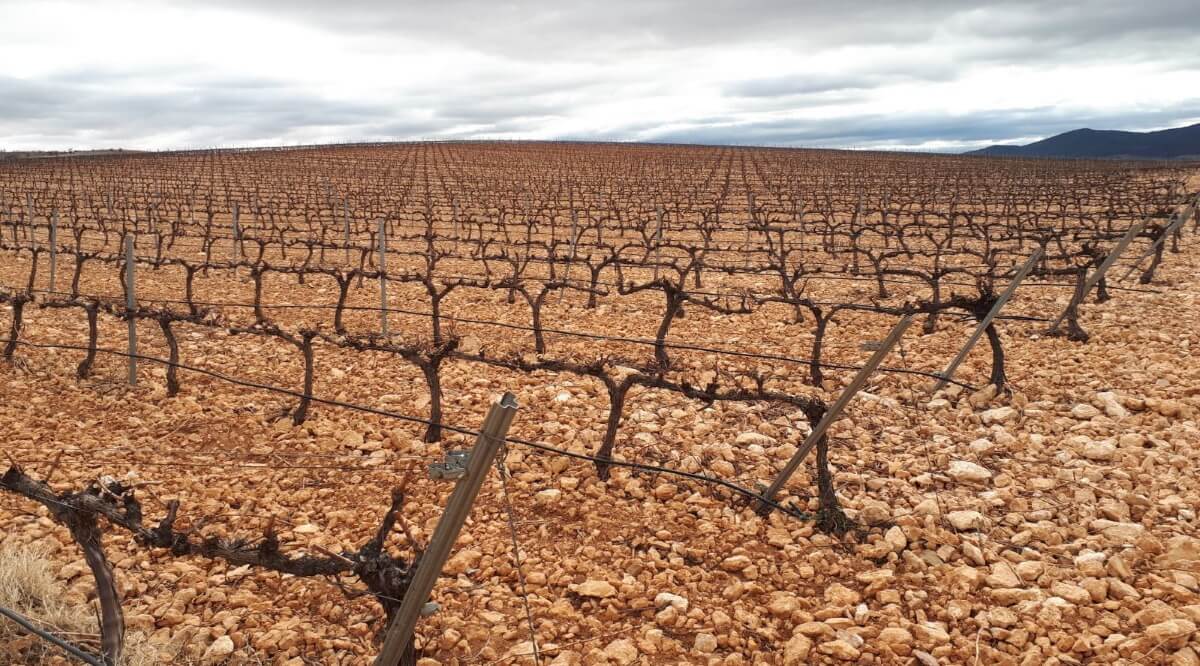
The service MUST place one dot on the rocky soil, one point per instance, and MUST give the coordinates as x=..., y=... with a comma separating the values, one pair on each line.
x=1055, y=525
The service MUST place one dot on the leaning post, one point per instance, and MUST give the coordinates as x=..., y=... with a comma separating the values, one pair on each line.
x=430, y=562
x=383, y=299
x=1091, y=281
x=833, y=412
x=948, y=374
x=130, y=307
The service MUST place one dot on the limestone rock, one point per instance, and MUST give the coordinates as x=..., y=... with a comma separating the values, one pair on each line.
x=705, y=643
x=840, y=649
x=1181, y=549
x=1120, y=533
x=1003, y=576
x=963, y=470
x=898, y=639
x=674, y=600
x=1171, y=630
x=736, y=563
x=548, y=496
x=621, y=651
x=998, y=415
x=1111, y=404
x=1084, y=412
x=1103, y=450
x=840, y=595
x=874, y=513
x=783, y=604
x=462, y=561
x=218, y=650
x=755, y=438
x=967, y=520
x=795, y=652
x=598, y=589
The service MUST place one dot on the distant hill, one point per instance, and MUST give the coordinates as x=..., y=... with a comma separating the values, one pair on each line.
x=1180, y=142
x=40, y=154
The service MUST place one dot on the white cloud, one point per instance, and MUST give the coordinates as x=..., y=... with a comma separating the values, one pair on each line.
x=170, y=74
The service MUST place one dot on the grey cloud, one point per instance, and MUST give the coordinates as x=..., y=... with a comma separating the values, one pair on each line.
x=891, y=130
x=844, y=81
x=591, y=31
x=101, y=111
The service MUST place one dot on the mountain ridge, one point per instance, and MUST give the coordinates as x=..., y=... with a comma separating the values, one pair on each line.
x=1173, y=143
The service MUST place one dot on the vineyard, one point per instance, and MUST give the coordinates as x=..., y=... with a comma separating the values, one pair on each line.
x=230, y=380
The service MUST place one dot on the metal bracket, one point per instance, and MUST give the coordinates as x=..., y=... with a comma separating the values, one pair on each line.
x=454, y=467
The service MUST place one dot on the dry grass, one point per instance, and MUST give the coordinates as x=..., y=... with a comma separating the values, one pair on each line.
x=28, y=586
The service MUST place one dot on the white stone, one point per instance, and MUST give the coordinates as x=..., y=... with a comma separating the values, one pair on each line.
x=1111, y=405
x=967, y=520
x=547, y=496
x=998, y=415
x=1084, y=411
x=594, y=588
x=896, y=539
x=963, y=470
x=1102, y=450
x=705, y=643
x=1124, y=533
x=754, y=438
x=218, y=650
x=621, y=651
x=674, y=600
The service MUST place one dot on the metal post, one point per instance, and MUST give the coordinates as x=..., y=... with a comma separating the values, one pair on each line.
x=383, y=299
x=1104, y=266
x=130, y=306
x=53, y=248
x=986, y=321
x=833, y=412
x=429, y=563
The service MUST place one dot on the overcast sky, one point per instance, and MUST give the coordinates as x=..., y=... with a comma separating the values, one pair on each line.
x=923, y=74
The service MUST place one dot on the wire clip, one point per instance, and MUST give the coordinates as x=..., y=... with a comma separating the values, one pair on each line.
x=454, y=467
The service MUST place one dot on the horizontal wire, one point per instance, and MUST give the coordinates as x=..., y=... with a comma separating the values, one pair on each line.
x=553, y=331
x=745, y=492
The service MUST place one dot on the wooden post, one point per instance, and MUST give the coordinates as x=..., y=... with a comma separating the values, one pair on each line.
x=383, y=299
x=986, y=321
x=29, y=217
x=749, y=224
x=833, y=412
x=1181, y=218
x=130, y=306
x=237, y=237
x=346, y=220
x=53, y=248
x=1104, y=266
x=429, y=563
x=658, y=241
x=571, y=259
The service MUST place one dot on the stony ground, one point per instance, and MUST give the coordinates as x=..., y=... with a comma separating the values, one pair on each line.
x=1054, y=525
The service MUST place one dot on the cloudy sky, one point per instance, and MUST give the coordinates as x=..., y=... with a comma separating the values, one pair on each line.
x=924, y=74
